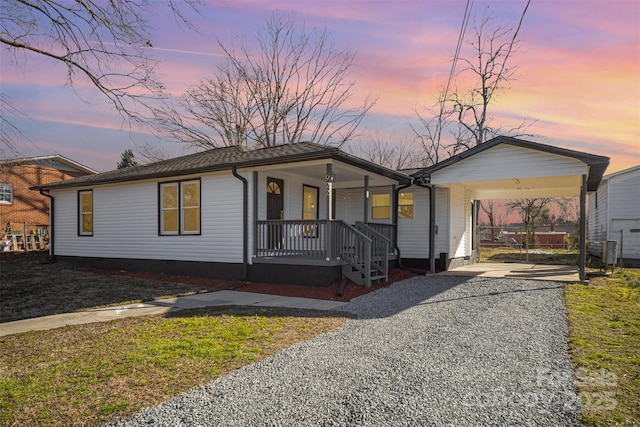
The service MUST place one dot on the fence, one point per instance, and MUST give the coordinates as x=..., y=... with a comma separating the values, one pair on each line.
x=24, y=237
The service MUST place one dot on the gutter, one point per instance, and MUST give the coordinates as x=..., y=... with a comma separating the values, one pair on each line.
x=432, y=225
x=245, y=223
x=52, y=206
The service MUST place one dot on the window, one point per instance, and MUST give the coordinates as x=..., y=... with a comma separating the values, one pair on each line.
x=180, y=207
x=310, y=207
x=381, y=207
x=6, y=194
x=85, y=213
x=405, y=205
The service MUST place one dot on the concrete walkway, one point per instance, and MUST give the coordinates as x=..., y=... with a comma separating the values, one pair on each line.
x=210, y=299
x=556, y=273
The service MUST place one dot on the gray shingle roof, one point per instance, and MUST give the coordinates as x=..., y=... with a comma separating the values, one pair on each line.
x=226, y=158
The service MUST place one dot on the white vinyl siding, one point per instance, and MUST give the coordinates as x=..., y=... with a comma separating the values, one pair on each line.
x=508, y=162
x=442, y=221
x=127, y=226
x=293, y=194
x=413, y=233
x=85, y=213
x=350, y=204
x=598, y=219
x=458, y=221
x=618, y=208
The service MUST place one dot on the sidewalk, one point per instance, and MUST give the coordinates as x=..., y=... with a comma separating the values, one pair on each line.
x=210, y=299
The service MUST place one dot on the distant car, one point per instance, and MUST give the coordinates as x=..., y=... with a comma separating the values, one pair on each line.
x=512, y=242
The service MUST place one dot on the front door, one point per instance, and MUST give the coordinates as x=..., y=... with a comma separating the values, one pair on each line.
x=275, y=211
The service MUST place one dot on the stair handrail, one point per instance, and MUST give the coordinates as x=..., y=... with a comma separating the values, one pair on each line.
x=380, y=248
x=357, y=252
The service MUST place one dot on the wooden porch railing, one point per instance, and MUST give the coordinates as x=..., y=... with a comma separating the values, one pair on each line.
x=387, y=230
x=293, y=238
x=364, y=250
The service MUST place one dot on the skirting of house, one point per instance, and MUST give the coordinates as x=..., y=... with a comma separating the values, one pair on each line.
x=306, y=275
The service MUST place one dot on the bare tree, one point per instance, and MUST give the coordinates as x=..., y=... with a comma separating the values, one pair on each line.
x=396, y=156
x=429, y=134
x=530, y=211
x=104, y=43
x=495, y=215
x=286, y=85
x=460, y=118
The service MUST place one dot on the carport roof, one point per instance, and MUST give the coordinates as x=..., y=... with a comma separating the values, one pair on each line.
x=597, y=164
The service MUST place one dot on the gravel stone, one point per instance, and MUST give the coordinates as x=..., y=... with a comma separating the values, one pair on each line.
x=429, y=351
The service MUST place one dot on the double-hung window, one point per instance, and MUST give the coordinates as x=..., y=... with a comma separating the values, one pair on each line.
x=6, y=194
x=405, y=205
x=85, y=213
x=380, y=206
x=180, y=207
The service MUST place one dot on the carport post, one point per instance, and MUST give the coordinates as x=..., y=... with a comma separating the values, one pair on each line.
x=582, y=256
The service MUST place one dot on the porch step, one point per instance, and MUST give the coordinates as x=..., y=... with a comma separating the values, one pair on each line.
x=357, y=275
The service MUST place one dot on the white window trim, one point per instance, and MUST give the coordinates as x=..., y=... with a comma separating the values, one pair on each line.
x=8, y=187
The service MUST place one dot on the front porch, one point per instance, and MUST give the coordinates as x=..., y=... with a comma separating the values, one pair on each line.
x=363, y=250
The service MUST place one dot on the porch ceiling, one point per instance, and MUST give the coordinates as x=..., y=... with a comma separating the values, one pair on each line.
x=346, y=176
x=516, y=188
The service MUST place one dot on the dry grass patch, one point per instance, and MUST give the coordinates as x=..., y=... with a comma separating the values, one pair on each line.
x=89, y=374
x=604, y=325
x=33, y=287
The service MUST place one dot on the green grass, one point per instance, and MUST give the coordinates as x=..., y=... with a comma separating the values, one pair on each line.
x=535, y=256
x=604, y=341
x=88, y=374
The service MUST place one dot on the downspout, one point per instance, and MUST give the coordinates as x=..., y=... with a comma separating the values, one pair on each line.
x=245, y=223
x=52, y=222
x=432, y=225
x=395, y=221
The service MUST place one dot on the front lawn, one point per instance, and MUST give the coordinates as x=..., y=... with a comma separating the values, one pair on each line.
x=89, y=374
x=604, y=325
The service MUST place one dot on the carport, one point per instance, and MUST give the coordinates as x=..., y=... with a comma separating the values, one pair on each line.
x=508, y=168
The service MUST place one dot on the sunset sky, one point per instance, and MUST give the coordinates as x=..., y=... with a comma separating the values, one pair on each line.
x=578, y=72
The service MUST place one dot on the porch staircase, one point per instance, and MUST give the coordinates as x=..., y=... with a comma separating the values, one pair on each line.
x=366, y=253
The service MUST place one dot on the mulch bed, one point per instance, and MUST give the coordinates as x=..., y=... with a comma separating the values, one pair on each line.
x=351, y=290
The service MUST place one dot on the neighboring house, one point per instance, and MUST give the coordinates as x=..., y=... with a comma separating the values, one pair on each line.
x=614, y=215
x=21, y=207
x=300, y=213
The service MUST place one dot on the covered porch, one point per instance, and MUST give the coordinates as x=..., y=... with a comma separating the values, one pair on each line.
x=319, y=213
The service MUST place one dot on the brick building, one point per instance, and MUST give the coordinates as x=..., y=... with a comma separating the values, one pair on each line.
x=19, y=204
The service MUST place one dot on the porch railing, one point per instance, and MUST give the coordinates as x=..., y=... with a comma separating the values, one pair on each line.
x=387, y=230
x=293, y=238
x=364, y=251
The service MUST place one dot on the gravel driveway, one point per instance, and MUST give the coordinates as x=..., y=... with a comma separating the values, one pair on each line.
x=431, y=350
